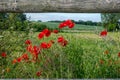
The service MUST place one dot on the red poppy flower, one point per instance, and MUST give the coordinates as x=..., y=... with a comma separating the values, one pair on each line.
x=38, y=73
x=71, y=25
x=49, y=45
x=4, y=54
x=103, y=33
x=62, y=25
x=119, y=54
x=46, y=32
x=55, y=31
x=64, y=43
x=25, y=56
x=60, y=39
x=68, y=23
x=19, y=59
x=30, y=48
x=43, y=45
x=27, y=42
x=14, y=61
x=40, y=35
x=36, y=50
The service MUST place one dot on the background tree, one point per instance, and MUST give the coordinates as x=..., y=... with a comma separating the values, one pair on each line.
x=3, y=18
x=110, y=20
x=12, y=25
x=16, y=21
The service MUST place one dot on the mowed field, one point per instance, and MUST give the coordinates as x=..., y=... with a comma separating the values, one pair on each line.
x=87, y=55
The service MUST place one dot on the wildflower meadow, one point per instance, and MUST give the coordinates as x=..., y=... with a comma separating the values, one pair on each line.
x=54, y=54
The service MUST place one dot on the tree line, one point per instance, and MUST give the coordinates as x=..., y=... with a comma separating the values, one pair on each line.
x=82, y=22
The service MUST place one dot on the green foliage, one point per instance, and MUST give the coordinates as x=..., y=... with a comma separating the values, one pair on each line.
x=17, y=21
x=38, y=27
x=9, y=38
x=3, y=18
x=12, y=21
x=112, y=26
x=109, y=20
x=12, y=41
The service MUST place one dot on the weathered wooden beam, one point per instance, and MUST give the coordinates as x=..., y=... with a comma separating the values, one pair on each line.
x=60, y=6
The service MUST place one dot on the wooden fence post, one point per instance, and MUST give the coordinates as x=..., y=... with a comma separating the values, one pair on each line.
x=73, y=6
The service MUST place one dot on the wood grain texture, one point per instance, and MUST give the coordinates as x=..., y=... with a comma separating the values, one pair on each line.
x=60, y=6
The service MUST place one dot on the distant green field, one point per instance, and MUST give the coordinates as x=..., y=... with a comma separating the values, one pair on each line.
x=77, y=26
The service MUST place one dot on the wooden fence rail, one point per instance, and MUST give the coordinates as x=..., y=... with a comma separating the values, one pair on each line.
x=73, y=6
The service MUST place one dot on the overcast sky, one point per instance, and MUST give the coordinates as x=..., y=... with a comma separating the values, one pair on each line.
x=95, y=17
